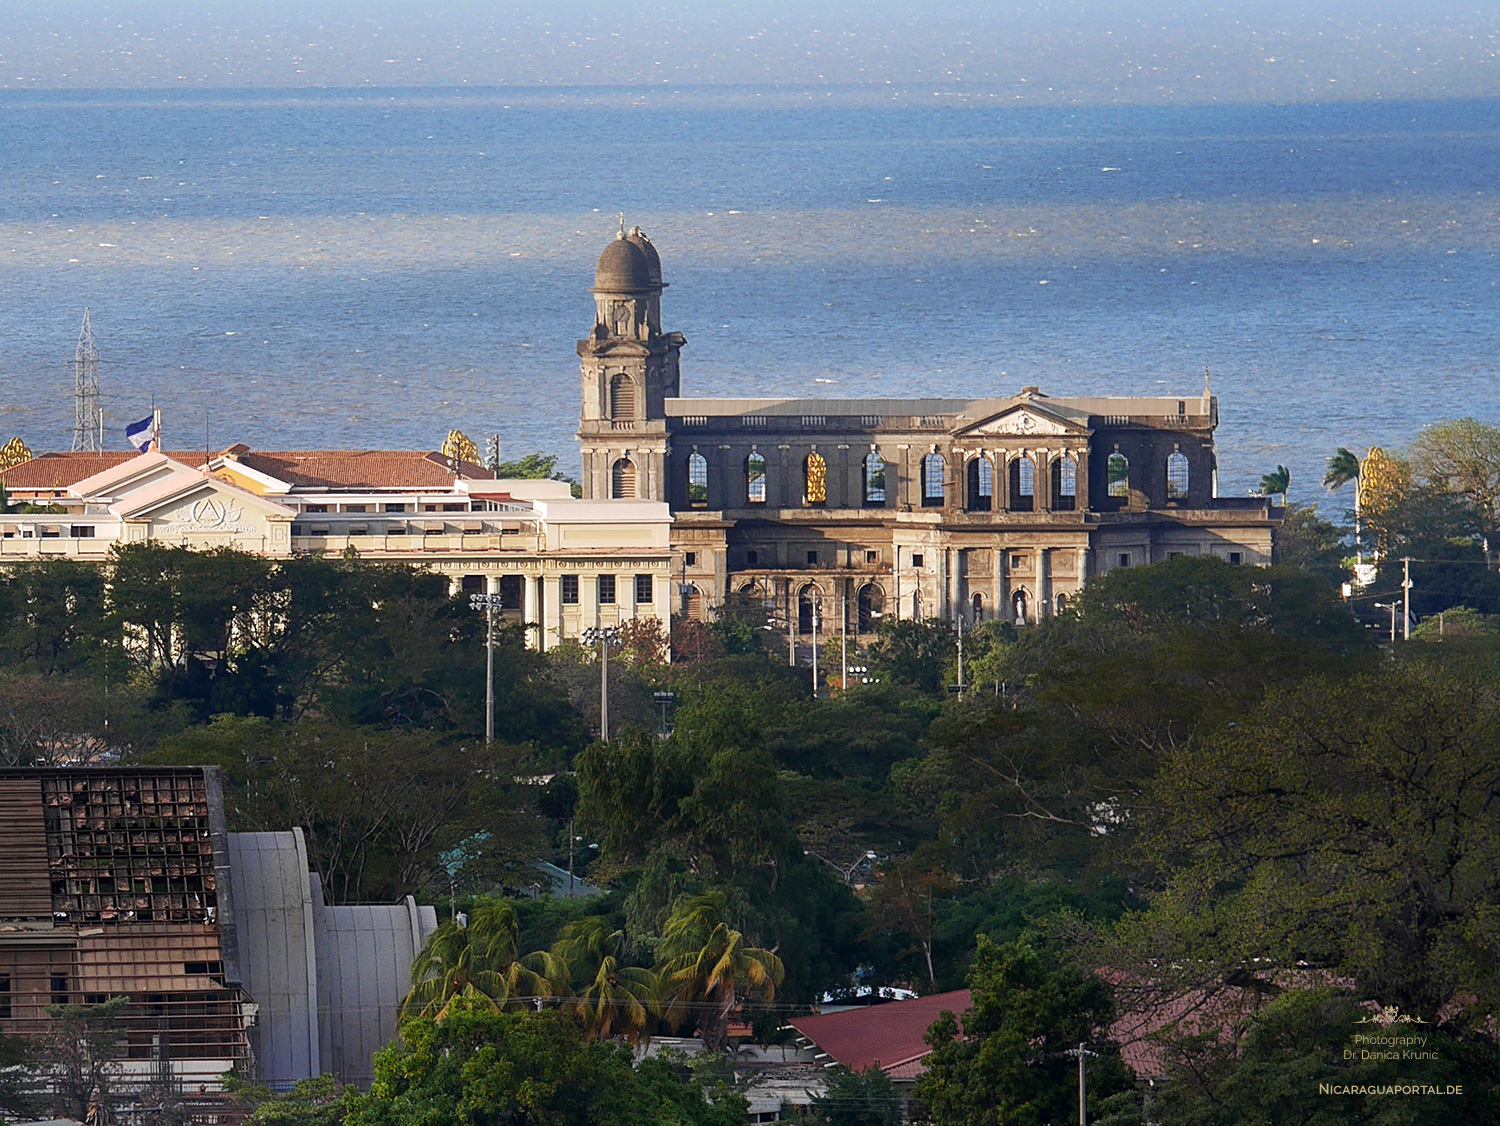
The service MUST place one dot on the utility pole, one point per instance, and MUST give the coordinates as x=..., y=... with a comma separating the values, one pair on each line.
x=792, y=609
x=489, y=603
x=1082, y=1053
x=88, y=414
x=960, y=656
x=844, y=641
x=604, y=637
x=1405, y=599
x=817, y=615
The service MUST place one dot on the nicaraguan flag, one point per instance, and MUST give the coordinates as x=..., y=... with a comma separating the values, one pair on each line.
x=140, y=434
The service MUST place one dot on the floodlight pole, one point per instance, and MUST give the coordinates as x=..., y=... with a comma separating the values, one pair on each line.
x=489, y=603
x=1406, y=599
x=603, y=636
x=844, y=640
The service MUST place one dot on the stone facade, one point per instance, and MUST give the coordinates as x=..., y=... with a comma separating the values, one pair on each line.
x=985, y=508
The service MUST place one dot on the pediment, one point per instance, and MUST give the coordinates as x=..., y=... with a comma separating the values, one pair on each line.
x=202, y=504
x=1023, y=421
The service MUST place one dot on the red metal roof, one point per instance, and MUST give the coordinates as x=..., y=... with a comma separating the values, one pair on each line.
x=59, y=470
x=886, y=1036
x=359, y=469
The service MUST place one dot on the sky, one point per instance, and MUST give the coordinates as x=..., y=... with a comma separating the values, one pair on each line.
x=1079, y=52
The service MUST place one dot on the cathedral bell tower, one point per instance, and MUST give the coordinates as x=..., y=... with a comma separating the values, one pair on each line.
x=629, y=369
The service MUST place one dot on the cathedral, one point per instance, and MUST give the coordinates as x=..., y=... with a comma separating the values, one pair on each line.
x=848, y=510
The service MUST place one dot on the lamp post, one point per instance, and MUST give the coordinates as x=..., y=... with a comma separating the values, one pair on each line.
x=1391, y=606
x=489, y=603
x=666, y=700
x=604, y=637
x=1082, y=1053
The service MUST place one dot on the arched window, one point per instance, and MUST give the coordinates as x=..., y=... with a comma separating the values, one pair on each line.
x=755, y=479
x=805, y=609
x=978, y=608
x=1062, y=603
x=1117, y=475
x=622, y=397
x=1177, y=475
x=981, y=476
x=697, y=480
x=1065, y=483
x=1018, y=607
x=874, y=479
x=815, y=474
x=933, y=468
x=622, y=479
x=871, y=607
x=1022, y=484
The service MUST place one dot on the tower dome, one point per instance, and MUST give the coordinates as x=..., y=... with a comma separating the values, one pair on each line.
x=653, y=259
x=624, y=268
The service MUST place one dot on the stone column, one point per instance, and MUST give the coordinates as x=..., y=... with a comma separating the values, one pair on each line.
x=1002, y=481
x=531, y=589
x=1043, y=582
x=588, y=601
x=1043, y=480
x=1082, y=501
x=551, y=611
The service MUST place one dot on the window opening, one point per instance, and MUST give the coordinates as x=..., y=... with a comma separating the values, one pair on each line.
x=1177, y=475
x=622, y=397
x=622, y=480
x=874, y=478
x=981, y=484
x=816, y=473
x=1022, y=484
x=755, y=479
x=644, y=595
x=933, y=468
x=1117, y=474
x=568, y=589
x=606, y=590
x=1065, y=483
x=697, y=467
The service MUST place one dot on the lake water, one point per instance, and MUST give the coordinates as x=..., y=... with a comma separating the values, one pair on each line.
x=370, y=268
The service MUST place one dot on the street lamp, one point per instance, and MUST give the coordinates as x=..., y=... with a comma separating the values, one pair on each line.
x=604, y=637
x=1391, y=606
x=489, y=603
x=665, y=699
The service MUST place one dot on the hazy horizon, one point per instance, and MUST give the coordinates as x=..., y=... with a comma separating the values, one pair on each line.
x=1072, y=53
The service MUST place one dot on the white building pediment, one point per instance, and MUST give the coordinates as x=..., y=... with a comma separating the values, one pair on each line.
x=1022, y=421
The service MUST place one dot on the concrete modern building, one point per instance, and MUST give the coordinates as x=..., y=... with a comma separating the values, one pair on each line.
x=326, y=981
x=996, y=507
x=560, y=565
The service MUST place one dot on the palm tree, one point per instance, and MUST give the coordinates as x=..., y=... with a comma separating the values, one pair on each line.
x=474, y=959
x=609, y=996
x=707, y=967
x=1344, y=467
x=1278, y=481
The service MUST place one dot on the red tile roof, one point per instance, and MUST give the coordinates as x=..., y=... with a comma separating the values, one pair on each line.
x=331, y=469
x=59, y=470
x=359, y=469
x=887, y=1036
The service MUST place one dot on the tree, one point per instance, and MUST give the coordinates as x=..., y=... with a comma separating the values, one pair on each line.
x=1276, y=483
x=1343, y=468
x=1345, y=825
x=478, y=1067
x=1308, y=541
x=475, y=961
x=1463, y=457
x=310, y=1102
x=914, y=653
x=707, y=968
x=18, y=1066
x=80, y=1051
x=857, y=1098
x=1273, y=1064
x=1005, y=1065
x=534, y=467
x=609, y=996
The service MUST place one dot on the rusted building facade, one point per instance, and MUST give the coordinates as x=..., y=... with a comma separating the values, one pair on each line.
x=116, y=884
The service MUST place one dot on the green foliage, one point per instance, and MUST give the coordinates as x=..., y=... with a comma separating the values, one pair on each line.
x=534, y=467
x=1462, y=457
x=1347, y=825
x=1006, y=1066
x=17, y=1074
x=482, y=1068
x=383, y=809
x=914, y=653
x=310, y=1102
x=474, y=962
x=1271, y=1069
x=1307, y=541
x=708, y=968
x=1276, y=483
x=856, y=1098
x=80, y=1050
